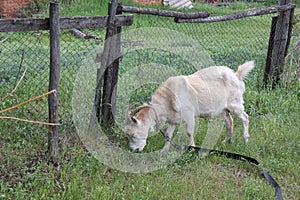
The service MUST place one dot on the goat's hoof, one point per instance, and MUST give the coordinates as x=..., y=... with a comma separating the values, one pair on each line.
x=246, y=140
x=226, y=140
x=165, y=149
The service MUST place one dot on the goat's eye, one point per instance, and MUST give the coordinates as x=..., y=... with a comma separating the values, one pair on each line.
x=129, y=133
x=127, y=130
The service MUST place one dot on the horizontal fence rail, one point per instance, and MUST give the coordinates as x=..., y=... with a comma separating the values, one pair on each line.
x=240, y=15
x=165, y=13
x=32, y=24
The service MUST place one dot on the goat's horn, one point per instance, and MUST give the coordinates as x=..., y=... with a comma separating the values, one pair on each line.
x=129, y=108
x=132, y=113
x=128, y=111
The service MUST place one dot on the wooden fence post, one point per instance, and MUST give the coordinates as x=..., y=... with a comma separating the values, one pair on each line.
x=280, y=44
x=107, y=75
x=54, y=22
x=111, y=73
x=270, y=48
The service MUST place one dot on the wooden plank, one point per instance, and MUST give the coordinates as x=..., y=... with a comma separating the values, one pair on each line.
x=93, y=22
x=165, y=13
x=53, y=136
x=23, y=24
x=240, y=15
x=33, y=24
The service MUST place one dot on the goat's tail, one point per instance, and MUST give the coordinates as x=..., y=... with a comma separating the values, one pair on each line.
x=244, y=69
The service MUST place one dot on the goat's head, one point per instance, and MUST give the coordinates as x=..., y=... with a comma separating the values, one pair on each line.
x=137, y=127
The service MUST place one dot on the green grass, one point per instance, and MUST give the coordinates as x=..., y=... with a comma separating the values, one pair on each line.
x=274, y=120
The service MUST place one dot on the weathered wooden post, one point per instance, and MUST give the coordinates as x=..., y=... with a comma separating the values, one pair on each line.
x=54, y=22
x=111, y=73
x=108, y=73
x=274, y=67
x=270, y=48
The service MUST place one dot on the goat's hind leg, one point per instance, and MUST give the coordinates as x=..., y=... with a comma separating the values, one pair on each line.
x=245, y=119
x=229, y=126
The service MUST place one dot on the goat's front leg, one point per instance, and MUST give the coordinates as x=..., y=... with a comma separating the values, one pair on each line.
x=229, y=126
x=190, y=131
x=168, y=137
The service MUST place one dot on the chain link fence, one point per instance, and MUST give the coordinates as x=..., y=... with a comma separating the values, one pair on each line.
x=24, y=74
x=24, y=61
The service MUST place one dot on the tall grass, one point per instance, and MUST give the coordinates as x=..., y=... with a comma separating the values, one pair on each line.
x=274, y=129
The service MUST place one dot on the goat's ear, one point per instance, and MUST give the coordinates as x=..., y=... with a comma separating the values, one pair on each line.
x=134, y=120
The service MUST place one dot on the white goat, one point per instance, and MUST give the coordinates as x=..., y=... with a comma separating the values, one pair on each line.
x=209, y=92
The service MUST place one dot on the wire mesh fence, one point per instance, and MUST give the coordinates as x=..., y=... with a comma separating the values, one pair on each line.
x=24, y=58
x=25, y=75
x=227, y=43
x=24, y=71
